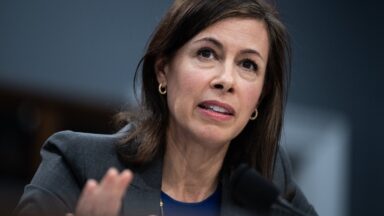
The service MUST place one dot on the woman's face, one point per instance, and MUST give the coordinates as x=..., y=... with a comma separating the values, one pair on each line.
x=215, y=80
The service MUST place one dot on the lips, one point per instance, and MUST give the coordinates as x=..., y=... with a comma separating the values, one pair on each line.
x=217, y=107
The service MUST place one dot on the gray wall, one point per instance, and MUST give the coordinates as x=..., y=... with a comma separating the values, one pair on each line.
x=79, y=50
x=338, y=66
x=87, y=50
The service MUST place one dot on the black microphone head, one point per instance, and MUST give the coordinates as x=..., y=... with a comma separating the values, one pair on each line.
x=251, y=190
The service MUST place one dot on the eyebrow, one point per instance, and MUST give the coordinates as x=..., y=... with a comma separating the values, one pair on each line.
x=221, y=46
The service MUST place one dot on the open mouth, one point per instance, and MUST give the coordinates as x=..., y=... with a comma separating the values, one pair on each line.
x=222, y=109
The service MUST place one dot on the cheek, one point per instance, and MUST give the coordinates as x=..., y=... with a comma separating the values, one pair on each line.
x=252, y=95
x=181, y=85
x=182, y=90
x=187, y=80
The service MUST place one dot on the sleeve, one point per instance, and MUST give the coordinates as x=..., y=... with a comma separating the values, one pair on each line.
x=54, y=189
x=291, y=191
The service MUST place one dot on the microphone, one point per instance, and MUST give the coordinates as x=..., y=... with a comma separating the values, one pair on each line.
x=252, y=190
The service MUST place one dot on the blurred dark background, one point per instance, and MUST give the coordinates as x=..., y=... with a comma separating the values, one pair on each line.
x=69, y=65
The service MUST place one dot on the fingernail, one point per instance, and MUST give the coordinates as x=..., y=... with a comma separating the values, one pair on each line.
x=112, y=171
x=91, y=182
x=127, y=174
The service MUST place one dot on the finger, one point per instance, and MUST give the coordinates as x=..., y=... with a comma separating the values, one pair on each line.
x=110, y=191
x=118, y=191
x=104, y=198
x=109, y=180
x=87, y=198
x=89, y=188
x=107, y=192
x=114, y=183
x=119, y=188
x=125, y=179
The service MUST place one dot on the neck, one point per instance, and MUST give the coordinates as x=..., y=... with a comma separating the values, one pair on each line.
x=190, y=169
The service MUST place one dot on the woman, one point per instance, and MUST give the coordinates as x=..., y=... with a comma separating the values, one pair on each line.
x=213, y=87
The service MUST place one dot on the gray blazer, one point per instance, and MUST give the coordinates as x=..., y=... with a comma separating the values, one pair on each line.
x=70, y=158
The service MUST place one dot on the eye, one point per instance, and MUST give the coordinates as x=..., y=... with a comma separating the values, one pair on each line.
x=206, y=53
x=249, y=65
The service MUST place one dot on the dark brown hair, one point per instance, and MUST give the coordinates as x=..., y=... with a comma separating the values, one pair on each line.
x=258, y=142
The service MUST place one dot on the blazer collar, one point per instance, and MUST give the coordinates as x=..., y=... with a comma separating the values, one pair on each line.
x=143, y=195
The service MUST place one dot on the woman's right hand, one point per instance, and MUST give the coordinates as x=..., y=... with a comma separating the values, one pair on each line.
x=104, y=198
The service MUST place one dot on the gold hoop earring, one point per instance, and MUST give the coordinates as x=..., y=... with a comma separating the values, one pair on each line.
x=254, y=115
x=162, y=89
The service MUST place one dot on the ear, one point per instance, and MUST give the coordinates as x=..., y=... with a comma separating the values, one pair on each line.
x=161, y=70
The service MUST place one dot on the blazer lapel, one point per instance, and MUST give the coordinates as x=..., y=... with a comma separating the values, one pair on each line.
x=229, y=207
x=143, y=195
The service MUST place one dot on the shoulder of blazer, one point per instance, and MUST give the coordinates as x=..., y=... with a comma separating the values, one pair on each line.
x=87, y=155
x=91, y=155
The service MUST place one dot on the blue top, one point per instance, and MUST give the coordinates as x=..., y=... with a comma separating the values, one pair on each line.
x=208, y=207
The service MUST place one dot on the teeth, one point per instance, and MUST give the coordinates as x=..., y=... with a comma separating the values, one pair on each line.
x=218, y=109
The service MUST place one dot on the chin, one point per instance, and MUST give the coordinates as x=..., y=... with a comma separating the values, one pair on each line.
x=215, y=136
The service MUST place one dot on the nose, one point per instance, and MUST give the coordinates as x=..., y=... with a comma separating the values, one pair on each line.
x=224, y=79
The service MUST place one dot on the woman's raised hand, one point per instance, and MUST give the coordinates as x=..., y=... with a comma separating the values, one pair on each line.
x=104, y=198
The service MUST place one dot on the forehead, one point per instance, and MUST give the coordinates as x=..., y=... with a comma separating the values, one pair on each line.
x=244, y=33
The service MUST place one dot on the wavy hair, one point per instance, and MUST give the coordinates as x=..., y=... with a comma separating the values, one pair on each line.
x=258, y=142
